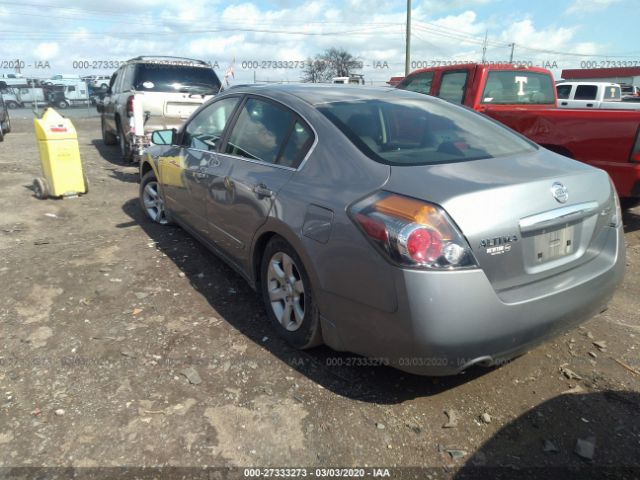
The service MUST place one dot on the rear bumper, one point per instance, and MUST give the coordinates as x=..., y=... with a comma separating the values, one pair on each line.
x=447, y=321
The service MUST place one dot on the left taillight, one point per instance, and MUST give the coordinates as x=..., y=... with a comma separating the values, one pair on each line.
x=412, y=233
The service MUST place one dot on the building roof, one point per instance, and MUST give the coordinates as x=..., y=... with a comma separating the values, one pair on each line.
x=576, y=73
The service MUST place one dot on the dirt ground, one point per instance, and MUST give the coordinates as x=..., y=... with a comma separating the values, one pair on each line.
x=105, y=317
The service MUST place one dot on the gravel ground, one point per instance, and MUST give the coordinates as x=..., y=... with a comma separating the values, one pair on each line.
x=128, y=344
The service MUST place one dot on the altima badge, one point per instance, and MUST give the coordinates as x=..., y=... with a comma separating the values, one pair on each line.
x=560, y=192
x=498, y=245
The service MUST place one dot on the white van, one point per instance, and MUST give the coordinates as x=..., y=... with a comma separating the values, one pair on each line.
x=592, y=95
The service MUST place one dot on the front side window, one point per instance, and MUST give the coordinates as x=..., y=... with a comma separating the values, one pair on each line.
x=420, y=83
x=269, y=133
x=518, y=87
x=403, y=131
x=452, y=86
x=205, y=130
x=564, y=91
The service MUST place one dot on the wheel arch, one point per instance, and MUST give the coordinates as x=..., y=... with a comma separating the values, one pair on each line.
x=272, y=228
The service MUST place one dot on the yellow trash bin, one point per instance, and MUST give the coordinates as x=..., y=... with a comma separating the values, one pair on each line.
x=60, y=157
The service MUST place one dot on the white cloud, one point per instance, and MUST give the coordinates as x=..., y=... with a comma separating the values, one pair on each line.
x=589, y=6
x=47, y=50
x=372, y=30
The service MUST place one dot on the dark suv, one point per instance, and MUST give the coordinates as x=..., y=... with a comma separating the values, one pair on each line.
x=152, y=93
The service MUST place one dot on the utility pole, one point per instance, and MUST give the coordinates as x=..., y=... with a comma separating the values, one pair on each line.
x=484, y=46
x=512, y=45
x=407, y=48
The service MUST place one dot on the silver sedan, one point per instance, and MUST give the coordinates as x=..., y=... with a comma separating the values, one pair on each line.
x=390, y=224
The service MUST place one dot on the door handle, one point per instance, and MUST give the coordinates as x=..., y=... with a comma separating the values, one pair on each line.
x=262, y=190
x=589, y=104
x=563, y=103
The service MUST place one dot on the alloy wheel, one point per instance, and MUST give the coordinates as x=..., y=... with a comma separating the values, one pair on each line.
x=286, y=291
x=153, y=203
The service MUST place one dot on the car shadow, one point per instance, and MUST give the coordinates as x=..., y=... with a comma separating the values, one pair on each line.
x=542, y=442
x=631, y=220
x=239, y=305
x=110, y=153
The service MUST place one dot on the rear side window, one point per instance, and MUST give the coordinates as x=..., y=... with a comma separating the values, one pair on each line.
x=563, y=91
x=586, y=92
x=269, y=133
x=518, y=86
x=612, y=92
x=452, y=86
x=205, y=129
x=161, y=77
x=420, y=83
x=405, y=131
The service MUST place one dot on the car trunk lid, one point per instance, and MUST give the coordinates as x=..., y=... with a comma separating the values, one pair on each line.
x=507, y=209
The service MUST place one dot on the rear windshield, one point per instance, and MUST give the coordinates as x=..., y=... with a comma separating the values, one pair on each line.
x=175, y=78
x=405, y=131
x=515, y=87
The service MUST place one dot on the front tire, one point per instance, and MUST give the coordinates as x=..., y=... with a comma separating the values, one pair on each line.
x=63, y=104
x=287, y=294
x=12, y=105
x=151, y=200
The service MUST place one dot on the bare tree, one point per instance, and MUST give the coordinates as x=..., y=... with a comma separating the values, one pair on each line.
x=333, y=62
x=316, y=71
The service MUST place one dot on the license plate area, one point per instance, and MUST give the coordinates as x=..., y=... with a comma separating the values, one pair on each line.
x=181, y=110
x=550, y=245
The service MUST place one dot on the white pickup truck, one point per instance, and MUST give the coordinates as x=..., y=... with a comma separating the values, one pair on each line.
x=592, y=95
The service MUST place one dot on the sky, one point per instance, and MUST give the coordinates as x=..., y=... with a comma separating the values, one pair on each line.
x=89, y=37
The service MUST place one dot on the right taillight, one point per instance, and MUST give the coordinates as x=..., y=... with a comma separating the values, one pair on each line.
x=412, y=233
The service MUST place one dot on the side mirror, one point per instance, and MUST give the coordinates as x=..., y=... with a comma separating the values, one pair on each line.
x=163, y=137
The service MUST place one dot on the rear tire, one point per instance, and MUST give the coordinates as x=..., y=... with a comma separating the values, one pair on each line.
x=12, y=105
x=125, y=148
x=107, y=137
x=1, y=133
x=63, y=104
x=7, y=126
x=287, y=295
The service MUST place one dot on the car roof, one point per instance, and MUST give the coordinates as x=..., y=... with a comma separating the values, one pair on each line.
x=319, y=93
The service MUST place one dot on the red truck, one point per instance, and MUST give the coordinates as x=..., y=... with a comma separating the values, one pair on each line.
x=524, y=99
